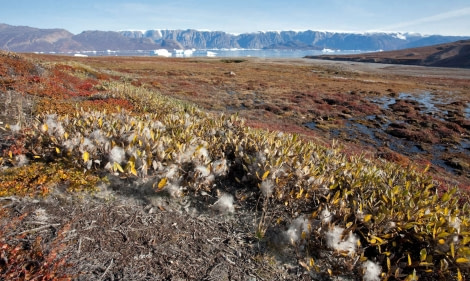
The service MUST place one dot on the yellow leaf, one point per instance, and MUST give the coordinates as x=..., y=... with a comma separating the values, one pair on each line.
x=57, y=150
x=10, y=154
x=66, y=135
x=86, y=156
x=44, y=128
x=312, y=262
x=426, y=169
x=265, y=175
x=462, y=260
x=409, y=260
x=459, y=275
x=162, y=183
x=367, y=217
x=380, y=240
x=117, y=167
x=452, y=249
x=133, y=170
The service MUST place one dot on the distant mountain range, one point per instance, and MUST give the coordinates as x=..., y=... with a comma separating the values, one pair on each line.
x=454, y=54
x=29, y=39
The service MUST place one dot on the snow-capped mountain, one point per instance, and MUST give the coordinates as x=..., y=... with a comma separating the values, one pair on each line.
x=29, y=39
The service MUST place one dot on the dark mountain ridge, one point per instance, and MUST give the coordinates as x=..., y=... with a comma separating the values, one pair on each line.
x=29, y=39
x=454, y=54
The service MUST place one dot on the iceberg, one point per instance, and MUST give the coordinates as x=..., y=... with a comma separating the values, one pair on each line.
x=211, y=54
x=326, y=50
x=184, y=53
x=162, y=53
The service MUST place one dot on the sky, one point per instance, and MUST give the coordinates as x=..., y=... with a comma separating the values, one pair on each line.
x=451, y=17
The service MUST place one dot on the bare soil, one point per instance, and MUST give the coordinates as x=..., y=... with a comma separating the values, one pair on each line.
x=127, y=232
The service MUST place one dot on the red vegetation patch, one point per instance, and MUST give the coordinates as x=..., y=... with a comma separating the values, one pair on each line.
x=395, y=157
x=20, y=260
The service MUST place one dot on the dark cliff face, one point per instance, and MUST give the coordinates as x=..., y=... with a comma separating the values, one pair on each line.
x=28, y=39
x=191, y=38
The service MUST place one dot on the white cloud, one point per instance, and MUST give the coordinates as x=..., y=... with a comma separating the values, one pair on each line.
x=454, y=14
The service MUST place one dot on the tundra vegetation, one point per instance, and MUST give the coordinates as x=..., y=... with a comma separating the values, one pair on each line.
x=73, y=127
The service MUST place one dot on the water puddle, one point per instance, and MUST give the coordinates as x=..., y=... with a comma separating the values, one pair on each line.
x=426, y=100
x=311, y=125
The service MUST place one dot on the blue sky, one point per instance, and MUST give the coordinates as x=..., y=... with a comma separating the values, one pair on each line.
x=237, y=16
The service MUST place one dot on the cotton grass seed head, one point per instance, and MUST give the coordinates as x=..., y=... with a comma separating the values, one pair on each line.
x=224, y=204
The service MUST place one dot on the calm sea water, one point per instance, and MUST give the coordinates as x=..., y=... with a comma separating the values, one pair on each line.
x=222, y=53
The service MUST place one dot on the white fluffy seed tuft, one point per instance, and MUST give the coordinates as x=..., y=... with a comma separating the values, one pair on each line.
x=203, y=171
x=21, y=160
x=371, y=271
x=297, y=227
x=117, y=155
x=267, y=187
x=339, y=242
x=224, y=204
x=326, y=216
x=219, y=167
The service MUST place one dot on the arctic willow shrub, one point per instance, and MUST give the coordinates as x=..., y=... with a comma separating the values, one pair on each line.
x=377, y=213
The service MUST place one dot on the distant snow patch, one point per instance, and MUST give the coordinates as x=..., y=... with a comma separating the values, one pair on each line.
x=400, y=36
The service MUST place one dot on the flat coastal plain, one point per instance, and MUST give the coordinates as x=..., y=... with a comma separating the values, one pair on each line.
x=407, y=114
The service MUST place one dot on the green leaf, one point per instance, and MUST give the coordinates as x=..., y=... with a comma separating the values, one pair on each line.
x=422, y=255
